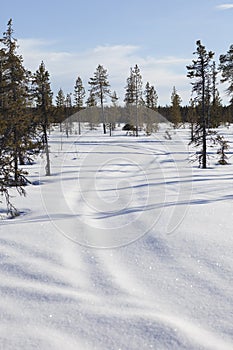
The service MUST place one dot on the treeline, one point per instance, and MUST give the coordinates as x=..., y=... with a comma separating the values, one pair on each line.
x=62, y=105
x=224, y=116
x=28, y=107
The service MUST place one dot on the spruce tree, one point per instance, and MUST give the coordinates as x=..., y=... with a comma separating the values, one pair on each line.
x=200, y=71
x=91, y=104
x=112, y=113
x=130, y=89
x=226, y=68
x=215, y=111
x=100, y=88
x=176, y=118
x=151, y=101
x=60, y=104
x=223, y=148
x=79, y=94
x=133, y=94
x=43, y=98
x=151, y=97
x=68, y=112
x=14, y=101
x=192, y=118
x=19, y=138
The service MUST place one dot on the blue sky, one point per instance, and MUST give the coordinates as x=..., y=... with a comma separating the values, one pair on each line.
x=73, y=37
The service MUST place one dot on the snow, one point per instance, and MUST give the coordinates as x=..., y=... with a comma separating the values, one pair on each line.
x=127, y=246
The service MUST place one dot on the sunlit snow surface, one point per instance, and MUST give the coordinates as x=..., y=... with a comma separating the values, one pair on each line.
x=127, y=246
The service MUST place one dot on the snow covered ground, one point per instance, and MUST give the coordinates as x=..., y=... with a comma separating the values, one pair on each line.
x=127, y=246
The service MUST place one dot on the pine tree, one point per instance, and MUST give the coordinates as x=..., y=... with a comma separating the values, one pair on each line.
x=223, y=148
x=112, y=113
x=68, y=101
x=68, y=109
x=92, y=112
x=14, y=100
x=133, y=95
x=6, y=171
x=3, y=82
x=60, y=110
x=192, y=118
x=18, y=129
x=60, y=99
x=151, y=97
x=226, y=68
x=100, y=89
x=130, y=89
x=151, y=101
x=43, y=98
x=7, y=168
x=215, y=111
x=79, y=94
x=175, y=108
x=91, y=101
x=200, y=71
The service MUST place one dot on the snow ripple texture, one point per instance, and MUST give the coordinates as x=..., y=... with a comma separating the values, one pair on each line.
x=124, y=247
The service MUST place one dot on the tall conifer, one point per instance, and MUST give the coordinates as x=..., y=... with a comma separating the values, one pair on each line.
x=175, y=108
x=100, y=88
x=43, y=98
x=200, y=71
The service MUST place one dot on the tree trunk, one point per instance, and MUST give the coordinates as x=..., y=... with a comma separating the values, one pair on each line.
x=204, y=155
x=16, y=176
x=16, y=164
x=204, y=150
x=47, y=166
x=192, y=132
x=104, y=128
x=110, y=129
x=102, y=111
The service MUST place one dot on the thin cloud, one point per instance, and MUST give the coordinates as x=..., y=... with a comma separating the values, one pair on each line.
x=65, y=67
x=224, y=7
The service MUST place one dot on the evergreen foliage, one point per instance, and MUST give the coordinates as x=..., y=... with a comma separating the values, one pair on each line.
x=26, y=108
x=43, y=97
x=192, y=118
x=112, y=113
x=100, y=89
x=226, y=68
x=175, y=108
x=20, y=139
x=223, y=148
x=16, y=117
x=68, y=112
x=200, y=71
x=151, y=97
x=151, y=104
x=133, y=94
x=60, y=110
x=79, y=94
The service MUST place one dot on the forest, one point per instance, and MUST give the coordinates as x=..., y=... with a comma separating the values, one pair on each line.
x=28, y=109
